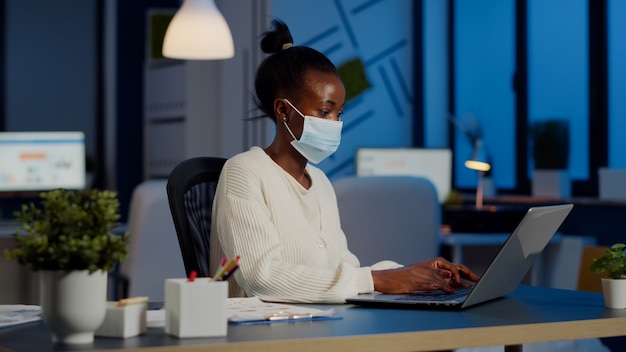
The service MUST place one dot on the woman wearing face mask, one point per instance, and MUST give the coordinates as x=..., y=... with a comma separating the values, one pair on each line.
x=279, y=212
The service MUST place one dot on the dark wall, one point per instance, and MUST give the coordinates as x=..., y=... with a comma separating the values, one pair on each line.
x=131, y=41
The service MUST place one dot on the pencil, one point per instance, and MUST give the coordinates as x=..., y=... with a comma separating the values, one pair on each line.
x=228, y=274
x=132, y=300
x=224, y=269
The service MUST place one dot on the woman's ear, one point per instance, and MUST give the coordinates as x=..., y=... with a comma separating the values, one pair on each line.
x=280, y=110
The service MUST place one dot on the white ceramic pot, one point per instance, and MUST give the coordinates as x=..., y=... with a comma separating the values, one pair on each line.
x=73, y=304
x=614, y=293
x=554, y=184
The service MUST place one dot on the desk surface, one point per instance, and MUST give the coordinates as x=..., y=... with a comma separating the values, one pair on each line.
x=8, y=228
x=530, y=314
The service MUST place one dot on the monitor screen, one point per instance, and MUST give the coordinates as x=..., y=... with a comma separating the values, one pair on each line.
x=433, y=164
x=39, y=161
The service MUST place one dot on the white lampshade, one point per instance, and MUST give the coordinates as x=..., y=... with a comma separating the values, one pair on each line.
x=198, y=31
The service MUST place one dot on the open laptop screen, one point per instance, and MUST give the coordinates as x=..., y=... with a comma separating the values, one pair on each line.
x=39, y=161
x=433, y=164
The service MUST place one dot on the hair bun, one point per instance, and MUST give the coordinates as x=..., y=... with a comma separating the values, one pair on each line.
x=277, y=39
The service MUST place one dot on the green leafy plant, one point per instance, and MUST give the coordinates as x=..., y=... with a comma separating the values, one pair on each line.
x=613, y=261
x=550, y=144
x=70, y=230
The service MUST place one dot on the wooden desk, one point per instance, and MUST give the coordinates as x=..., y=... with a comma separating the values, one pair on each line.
x=530, y=314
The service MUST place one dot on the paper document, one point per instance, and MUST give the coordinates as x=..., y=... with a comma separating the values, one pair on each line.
x=16, y=314
x=251, y=310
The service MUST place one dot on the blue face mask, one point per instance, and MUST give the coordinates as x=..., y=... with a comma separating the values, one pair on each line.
x=320, y=138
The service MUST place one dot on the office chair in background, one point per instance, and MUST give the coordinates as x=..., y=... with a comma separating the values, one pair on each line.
x=389, y=217
x=190, y=191
x=588, y=280
x=152, y=255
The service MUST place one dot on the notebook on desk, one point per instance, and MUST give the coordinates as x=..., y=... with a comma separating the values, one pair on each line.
x=502, y=276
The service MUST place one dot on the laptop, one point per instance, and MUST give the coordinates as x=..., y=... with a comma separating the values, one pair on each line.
x=502, y=276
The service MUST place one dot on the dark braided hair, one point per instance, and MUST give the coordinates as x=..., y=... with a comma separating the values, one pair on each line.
x=284, y=70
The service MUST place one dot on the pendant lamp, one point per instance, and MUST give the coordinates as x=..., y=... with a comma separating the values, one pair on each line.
x=198, y=31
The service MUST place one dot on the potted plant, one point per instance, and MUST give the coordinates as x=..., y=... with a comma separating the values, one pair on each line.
x=614, y=287
x=67, y=238
x=550, y=150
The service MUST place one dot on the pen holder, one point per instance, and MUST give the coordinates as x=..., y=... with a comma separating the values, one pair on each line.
x=196, y=308
x=124, y=321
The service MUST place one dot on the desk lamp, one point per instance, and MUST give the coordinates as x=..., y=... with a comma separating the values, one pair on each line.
x=479, y=162
x=198, y=31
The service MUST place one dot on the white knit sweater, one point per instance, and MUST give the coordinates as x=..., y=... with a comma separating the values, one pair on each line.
x=289, y=238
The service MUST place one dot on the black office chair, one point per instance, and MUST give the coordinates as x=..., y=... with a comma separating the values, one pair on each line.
x=190, y=190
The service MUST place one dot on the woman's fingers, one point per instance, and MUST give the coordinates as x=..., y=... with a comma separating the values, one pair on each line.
x=459, y=271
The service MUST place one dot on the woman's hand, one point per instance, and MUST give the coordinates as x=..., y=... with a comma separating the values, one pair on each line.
x=435, y=274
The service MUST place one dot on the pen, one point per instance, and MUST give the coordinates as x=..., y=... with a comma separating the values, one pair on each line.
x=192, y=276
x=221, y=267
x=227, y=275
x=224, y=269
x=132, y=300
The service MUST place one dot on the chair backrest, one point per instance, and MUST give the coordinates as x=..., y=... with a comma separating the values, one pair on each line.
x=389, y=217
x=588, y=280
x=190, y=189
x=151, y=259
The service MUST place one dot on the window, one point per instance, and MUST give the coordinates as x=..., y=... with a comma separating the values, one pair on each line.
x=484, y=64
x=557, y=73
x=617, y=82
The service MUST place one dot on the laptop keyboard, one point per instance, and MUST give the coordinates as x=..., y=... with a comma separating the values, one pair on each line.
x=437, y=295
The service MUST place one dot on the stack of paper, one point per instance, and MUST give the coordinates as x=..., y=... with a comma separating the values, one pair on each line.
x=16, y=314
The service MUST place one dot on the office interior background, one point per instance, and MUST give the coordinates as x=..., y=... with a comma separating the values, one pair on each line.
x=88, y=66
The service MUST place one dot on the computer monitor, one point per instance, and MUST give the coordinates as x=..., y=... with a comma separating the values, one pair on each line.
x=40, y=161
x=433, y=164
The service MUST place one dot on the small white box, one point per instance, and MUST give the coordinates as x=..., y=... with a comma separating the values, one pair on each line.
x=612, y=184
x=126, y=321
x=196, y=308
x=553, y=184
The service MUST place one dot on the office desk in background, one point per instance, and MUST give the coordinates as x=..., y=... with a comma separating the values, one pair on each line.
x=530, y=314
x=472, y=236
x=601, y=219
x=20, y=285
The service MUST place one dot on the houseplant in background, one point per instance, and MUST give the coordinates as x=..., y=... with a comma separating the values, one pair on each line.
x=67, y=238
x=614, y=287
x=550, y=150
